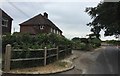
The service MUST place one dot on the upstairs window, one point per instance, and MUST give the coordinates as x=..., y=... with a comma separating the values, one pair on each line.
x=4, y=22
x=41, y=27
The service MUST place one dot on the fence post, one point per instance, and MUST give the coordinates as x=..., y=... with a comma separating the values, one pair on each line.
x=57, y=52
x=45, y=56
x=7, y=58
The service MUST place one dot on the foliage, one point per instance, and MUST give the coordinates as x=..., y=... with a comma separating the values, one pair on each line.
x=84, y=40
x=79, y=43
x=76, y=39
x=86, y=43
x=25, y=41
x=82, y=46
x=61, y=63
x=114, y=42
x=105, y=16
x=95, y=42
x=93, y=35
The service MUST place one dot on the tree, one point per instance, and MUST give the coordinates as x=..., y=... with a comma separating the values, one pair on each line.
x=105, y=16
x=76, y=39
x=93, y=35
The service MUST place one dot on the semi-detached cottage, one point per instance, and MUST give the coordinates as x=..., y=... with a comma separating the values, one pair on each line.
x=39, y=24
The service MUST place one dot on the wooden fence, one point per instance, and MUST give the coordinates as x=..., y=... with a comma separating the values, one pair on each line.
x=41, y=54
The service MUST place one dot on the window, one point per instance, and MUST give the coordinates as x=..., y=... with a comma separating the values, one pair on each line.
x=51, y=30
x=59, y=33
x=41, y=27
x=4, y=22
x=54, y=30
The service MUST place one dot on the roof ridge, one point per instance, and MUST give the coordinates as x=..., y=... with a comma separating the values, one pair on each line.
x=54, y=24
x=31, y=18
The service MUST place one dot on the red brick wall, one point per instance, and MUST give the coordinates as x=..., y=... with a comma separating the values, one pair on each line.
x=34, y=29
x=27, y=29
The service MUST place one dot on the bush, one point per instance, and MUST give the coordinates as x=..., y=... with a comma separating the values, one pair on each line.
x=27, y=41
x=95, y=42
x=61, y=63
x=83, y=46
x=114, y=42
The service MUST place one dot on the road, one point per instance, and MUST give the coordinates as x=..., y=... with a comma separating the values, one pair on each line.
x=106, y=62
x=100, y=61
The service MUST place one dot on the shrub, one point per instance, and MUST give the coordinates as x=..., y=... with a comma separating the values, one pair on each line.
x=27, y=41
x=114, y=42
x=83, y=46
x=95, y=42
x=61, y=63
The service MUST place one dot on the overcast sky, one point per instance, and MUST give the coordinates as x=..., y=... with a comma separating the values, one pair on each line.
x=69, y=16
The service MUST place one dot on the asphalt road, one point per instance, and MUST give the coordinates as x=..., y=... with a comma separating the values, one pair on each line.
x=106, y=62
x=101, y=61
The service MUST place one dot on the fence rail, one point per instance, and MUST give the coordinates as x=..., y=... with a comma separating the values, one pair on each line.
x=18, y=50
x=46, y=54
x=27, y=59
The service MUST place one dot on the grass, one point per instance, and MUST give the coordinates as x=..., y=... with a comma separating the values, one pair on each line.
x=61, y=63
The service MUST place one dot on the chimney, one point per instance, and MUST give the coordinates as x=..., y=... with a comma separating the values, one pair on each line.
x=45, y=15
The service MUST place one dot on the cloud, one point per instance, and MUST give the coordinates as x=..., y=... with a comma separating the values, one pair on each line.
x=68, y=16
x=51, y=0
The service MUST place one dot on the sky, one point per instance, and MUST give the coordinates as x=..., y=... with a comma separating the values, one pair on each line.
x=68, y=15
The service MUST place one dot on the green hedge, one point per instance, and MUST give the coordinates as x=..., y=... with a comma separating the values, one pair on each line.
x=25, y=41
x=86, y=44
x=114, y=42
x=95, y=42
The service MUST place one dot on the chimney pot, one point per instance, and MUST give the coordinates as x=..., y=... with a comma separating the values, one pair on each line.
x=45, y=15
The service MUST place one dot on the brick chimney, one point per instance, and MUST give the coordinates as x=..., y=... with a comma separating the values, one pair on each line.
x=45, y=15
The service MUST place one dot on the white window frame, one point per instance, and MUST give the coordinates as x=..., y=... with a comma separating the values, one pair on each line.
x=51, y=30
x=6, y=22
x=41, y=27
x=54, y=30
x=57, y=31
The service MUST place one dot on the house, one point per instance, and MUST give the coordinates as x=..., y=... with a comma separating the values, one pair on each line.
x=6, y=23
x=39, y=24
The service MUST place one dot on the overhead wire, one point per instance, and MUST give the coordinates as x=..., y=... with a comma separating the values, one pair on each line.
x=11, y=3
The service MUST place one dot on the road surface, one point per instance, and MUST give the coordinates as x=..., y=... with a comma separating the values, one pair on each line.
x=106, y=62
x=101, y=61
